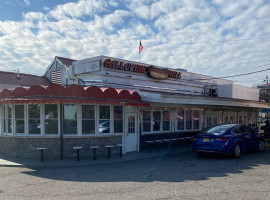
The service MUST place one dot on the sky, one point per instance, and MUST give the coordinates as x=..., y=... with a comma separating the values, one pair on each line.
x=218, y=38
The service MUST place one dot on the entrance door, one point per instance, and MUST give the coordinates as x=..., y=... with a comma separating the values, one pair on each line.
x=131, y=132
x=211, y=120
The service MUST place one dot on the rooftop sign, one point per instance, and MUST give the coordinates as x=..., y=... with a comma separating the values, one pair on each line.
x=152, y=71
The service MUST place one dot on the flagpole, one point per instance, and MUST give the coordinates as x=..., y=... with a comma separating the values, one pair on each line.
x=139, y=51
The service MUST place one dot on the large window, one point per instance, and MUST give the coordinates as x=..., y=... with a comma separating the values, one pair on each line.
x=180, y=120
x=146, y=121
x=156, y=120
x=240, y=120
x=196, y=119
x=118, y=119
x=19, y=118
x=88, y=119
x=51, y=119
x=166, y=121
x=70, y=119
x=104, y=119
x=34, y=118
x=3, y=119
x=10, y=126
x=188, y=119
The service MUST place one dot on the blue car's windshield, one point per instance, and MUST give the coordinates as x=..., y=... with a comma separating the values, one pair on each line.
x=217, y=130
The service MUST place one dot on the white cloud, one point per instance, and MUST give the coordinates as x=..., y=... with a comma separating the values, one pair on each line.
x=76, y=10
x=178, y=34
x=27, y=2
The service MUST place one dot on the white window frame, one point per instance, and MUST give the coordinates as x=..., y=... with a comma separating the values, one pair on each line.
x=24, y=119
x=161, y=122
x=80, y=119
x=122, y=119
x=77, y=117
x=43, y=117
x=28, y=118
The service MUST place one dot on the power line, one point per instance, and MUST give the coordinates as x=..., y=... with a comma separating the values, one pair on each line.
x=231, y=75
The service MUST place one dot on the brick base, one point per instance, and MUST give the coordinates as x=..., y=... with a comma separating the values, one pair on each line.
x=26, y=147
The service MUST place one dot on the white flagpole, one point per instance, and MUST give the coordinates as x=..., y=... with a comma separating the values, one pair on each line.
x=139, y=51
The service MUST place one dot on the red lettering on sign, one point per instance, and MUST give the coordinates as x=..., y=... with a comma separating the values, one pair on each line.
x=107, y=63
x=127, y=67
x=115, y=64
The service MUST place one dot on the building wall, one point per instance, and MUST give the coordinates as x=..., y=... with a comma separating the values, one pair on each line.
x=26, y=147
x=92, y=71
x=238, y=92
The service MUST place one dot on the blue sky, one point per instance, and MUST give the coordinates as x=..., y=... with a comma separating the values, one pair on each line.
x=217, y=37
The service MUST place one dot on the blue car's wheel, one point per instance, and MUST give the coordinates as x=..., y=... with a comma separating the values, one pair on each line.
x=261, y=146
x=237, y=151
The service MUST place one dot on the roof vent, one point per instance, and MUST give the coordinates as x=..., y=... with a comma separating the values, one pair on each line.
x=18, y=74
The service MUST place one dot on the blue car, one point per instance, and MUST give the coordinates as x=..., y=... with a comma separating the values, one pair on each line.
x=228, y=139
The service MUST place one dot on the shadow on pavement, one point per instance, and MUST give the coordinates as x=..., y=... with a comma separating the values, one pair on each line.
x=179, y=167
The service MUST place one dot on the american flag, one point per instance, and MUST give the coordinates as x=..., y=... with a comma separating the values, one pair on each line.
x=140, y=47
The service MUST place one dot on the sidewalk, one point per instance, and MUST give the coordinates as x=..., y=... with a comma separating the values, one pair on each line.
x=17, y=162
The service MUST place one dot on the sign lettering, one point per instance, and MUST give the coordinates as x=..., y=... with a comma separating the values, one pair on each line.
x=155, y=72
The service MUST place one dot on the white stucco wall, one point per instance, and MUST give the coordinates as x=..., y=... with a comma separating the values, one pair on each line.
x=238, y=92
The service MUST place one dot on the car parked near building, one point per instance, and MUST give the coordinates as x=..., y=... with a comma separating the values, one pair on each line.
x=228, y=139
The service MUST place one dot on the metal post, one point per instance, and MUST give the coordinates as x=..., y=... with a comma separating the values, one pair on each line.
x=41, y=151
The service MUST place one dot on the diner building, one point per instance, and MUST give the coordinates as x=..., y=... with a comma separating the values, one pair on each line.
x=109, y=101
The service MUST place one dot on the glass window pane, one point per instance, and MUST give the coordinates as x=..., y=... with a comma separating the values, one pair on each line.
x=146, y=115
x=104, y=126
x=146, y=126
x=70, y=126
x=146, y=121
x=166, y=120
x=166, y=115
x=180, y=120
x=156, y=120
x=34, y=118
x=51, y=119
x=51, y=111
x=104, y=112
x=9, y=111
x=70, y=119
x=157, y=115
x=118, y=112
x=196, y=119
x=19, y=117
x=166, y=125
x=118, y=126
x=9, y=126
x=88, y=126
x=131, y=124
x=19, y=126
x=88, y=119
x=51, y=126
x=70, y=112
x=34, y=111
x=188, y=119
x=34, y=126
x=19, y=111
x=118, y=119
x=88, y=112
x=3, y=119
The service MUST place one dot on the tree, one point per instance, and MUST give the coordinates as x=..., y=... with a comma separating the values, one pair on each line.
x=264, y=96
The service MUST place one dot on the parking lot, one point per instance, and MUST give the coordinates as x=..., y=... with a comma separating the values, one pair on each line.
x=181, y=175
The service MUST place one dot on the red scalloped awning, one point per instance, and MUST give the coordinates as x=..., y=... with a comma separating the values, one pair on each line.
x=56, y=93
